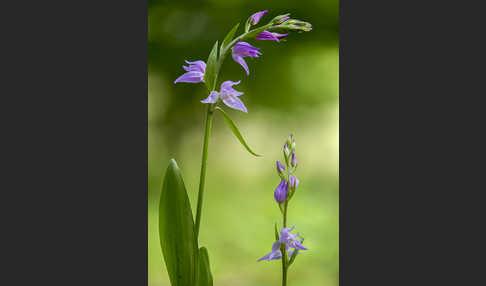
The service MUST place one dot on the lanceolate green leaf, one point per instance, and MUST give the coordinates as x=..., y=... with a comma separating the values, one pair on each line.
x=205, y=278
x=228, y=38
x=176, y=229
x=212, y=68
x=294, y=255
x=235, y=130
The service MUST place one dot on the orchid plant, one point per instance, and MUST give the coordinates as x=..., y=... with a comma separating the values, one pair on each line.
x=187, y=263
x=287, y=245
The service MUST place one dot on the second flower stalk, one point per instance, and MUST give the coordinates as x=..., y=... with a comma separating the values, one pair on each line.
x=287, y=245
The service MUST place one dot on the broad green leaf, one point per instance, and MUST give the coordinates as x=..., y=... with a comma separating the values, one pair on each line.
x=212, y=68
x=205, y=278
x=176, y=229
x=228, y=38
x=235, y=130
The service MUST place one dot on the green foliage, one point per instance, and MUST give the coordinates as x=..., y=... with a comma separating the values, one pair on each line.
x=294, y=255
x=235, y=130
x=212, y=67
x=205, y=278
x=227, y=40
x=176, y=229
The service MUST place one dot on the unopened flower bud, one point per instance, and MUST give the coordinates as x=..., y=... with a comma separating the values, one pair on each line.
x=280, y=194
x=294, y=183
x=280, y=19
x=280, y=167
x=286, y=150
x=293, y=145
x=255, y=18
x=289, y=140
x=298, y=25
x=293, y=161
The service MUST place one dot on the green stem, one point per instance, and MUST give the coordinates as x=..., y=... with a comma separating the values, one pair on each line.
x=209, y=118
x=202, y=179
x=285, y=262
x=243, y=36
x=284, y=251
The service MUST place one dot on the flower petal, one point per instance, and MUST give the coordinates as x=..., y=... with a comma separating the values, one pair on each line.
x=228, y=84
x=234, y=102
x=266, y=35
x=276, y=246
x=266, y=257
x=226, y=88
x=197, y=66
x=246, y=50
x=241, y=61
x=212, y=98
x=192, y=77
x=298, y=245
x=275, y=255
x=280, y=36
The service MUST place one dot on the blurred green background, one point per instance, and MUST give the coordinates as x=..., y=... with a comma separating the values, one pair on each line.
x=292, y=87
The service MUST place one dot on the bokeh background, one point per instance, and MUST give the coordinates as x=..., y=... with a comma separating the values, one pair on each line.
x=292, y=87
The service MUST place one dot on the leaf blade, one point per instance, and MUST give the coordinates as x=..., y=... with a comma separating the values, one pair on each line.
x=205, y=278
x=236, y=132
x=228, y=38
x=210, y=76
x=176, y=229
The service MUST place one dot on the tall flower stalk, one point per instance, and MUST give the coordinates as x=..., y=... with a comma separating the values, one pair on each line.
x=287, y=245
x=198, y=71
x=190, y=265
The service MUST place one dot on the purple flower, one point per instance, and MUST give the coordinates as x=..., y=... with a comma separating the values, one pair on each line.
x=275, y=254
x=255, y=18
x=290, y=240
x=195, y=72
x=266, y=35
x=243, y=49
x=228, y=95
x=280, y=167
x=280, y=194
x=293, y=161
x=294, y=182
x=287, y=239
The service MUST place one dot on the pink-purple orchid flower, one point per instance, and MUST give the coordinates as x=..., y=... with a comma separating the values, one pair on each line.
x=243, y=49
x=195, y=72
x=293, y=241
x=266, y=35
x=228, y=95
